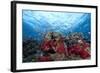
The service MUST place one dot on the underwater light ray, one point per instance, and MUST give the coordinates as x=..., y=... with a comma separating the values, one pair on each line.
x=42, y=22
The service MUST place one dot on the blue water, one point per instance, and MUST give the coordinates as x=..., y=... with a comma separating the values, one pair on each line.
x=37, y=23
